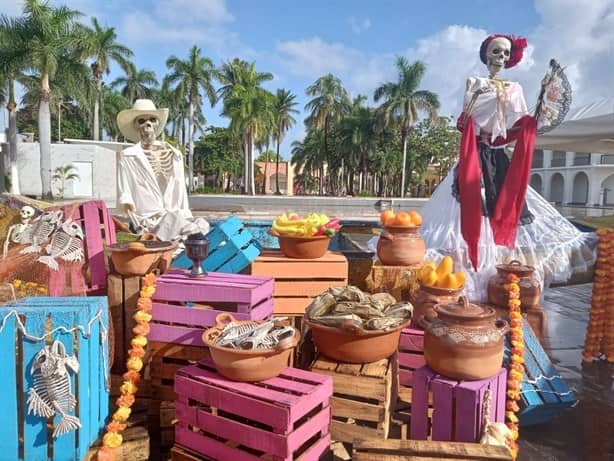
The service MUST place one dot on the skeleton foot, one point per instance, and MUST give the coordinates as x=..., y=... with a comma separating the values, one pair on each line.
x=49, y=261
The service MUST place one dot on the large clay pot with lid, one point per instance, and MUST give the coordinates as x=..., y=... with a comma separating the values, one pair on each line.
x=425, y=298
x=400, y=246
x=464, y=340
x=530, y=288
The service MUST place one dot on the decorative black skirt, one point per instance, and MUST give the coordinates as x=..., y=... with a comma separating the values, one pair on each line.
x=494, y=164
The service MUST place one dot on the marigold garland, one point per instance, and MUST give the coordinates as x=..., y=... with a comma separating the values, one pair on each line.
x=516, y=366
x=113, y=438
x=600, y=330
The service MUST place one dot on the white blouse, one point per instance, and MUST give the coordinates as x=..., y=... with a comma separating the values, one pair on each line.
x=497, y=108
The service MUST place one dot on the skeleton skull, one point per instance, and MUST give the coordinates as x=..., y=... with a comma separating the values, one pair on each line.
x=497, y=54
x=26, y=213
x=147, y=126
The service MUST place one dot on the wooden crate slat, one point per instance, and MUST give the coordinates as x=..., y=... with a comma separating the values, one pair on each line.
x=95, y=249
x=240, y=260
x=218, y=256
x=210, y=447
x=413, y=361
x=412, y=339
x=347, y=408
x=177, y=351
x=388, y=450
x=356, y=385
x=349, y=433
x=443, y=407
x=291, y=306
x=8, y=386
x=291, y=289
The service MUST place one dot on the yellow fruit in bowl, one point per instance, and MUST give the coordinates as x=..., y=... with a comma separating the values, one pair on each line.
x=430, y=278
x=448, y=281
x=446, y=266
x=460, y=279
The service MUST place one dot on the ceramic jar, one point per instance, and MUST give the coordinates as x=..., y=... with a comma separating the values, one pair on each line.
x=400, y=246
x=464, y=341
x=530, y=288
x=425, y=298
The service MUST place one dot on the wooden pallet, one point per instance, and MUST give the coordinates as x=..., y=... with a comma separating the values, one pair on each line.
x=123, y=293
x=284, y=418
x=80, y=324
x=232, y=248
x=544, y=394
x=399, y=281
x=298, y=281
x=183, y=307
x=458, y=406
x=363, y=397
x=411, y=354
x=396, y=450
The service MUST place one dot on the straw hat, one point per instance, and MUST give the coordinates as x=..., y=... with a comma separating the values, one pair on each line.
x=141, y=107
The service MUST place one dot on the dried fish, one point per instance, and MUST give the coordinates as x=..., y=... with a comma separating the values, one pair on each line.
x=401, y=310
x=339, y=320
x=349, y=293
x=383, y=323
x=321, y=305
x=384, y=299
x=363, y=310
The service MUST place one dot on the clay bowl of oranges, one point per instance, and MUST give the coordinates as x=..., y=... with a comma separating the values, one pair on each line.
x=400, y=244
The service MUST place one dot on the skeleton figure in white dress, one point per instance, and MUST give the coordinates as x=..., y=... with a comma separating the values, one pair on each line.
x=151, y=177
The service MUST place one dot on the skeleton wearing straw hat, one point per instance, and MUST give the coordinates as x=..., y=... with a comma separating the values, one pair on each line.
x=152, y=187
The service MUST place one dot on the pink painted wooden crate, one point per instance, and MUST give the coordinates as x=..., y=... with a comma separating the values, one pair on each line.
x=183, y=307
x=411, y=354
x=98, y=232
x=286, y=418
x=458, y=406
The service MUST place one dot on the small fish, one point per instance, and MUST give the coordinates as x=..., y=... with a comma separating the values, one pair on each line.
x=349, y=293
x=339, y=320
x=51, y=393
x=383, y=299
x=383, y=323
x=320, y=305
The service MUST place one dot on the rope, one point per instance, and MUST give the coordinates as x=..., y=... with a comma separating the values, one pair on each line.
x=541, y=376
x=86, y=334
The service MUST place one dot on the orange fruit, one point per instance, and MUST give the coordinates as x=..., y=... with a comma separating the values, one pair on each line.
x=416, y=218
x=403, y=219
x=386, y=216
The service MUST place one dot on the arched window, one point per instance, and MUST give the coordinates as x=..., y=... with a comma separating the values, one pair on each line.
x=536, y=183
x=557, y=188
x=580, y=189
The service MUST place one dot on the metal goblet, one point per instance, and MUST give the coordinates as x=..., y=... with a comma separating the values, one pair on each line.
x=197, y=249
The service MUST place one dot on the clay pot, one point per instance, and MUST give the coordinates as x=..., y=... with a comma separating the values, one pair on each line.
x=355, y=345
x=247, y=365
x=400, y=246
x=464, y=341
x=302, y=247
x=425, y=298
x=530, y=288
x=142, y=256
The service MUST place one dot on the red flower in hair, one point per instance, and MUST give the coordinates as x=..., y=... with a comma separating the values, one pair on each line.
x=516, y=52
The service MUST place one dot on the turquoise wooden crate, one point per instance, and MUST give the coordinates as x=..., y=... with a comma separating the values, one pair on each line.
x=26, y=326
x=544, y=393
x=232, y=248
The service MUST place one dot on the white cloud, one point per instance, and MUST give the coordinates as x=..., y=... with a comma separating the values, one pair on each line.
x=359, y=25
x=314, y=57
x=212, y=12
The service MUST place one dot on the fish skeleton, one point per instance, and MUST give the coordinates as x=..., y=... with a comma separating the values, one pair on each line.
x=51, y=392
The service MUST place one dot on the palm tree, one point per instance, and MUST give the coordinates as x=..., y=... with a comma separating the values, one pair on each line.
x=307, y=157
x=249, y=107
x=192, y=75
x=330, y=103
x=283, y=110
x=99, y=45
x=113, y=103
x=403, y=100
x=45, y=34
x=137, y=83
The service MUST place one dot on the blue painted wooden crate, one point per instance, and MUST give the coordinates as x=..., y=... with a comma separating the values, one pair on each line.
x=544, y=394
x=232, y=248
x=26, y=325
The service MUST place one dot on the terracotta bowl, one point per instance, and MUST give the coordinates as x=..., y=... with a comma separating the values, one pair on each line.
x=355, y=345
x=302, y=247
x=247, y=365
x=142, y=256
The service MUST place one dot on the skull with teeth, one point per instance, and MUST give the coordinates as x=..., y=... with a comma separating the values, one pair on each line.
x=147, y=126
x=498, y=54
x=26, y=213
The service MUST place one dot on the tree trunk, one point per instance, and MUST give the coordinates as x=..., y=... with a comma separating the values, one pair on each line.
x=191, y=146
x=277, y=192
x=404, y=141
x=44, y=134
x=12, y=107
x=96, y=133
x=250, y=167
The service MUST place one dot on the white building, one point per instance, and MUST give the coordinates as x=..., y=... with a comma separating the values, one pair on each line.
x=573, y=177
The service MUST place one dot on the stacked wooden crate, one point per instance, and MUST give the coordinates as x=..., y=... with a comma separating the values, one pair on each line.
x=363, y=397
x=81, y=325
x=285, y=418
x=183, y=308
x=395, y=450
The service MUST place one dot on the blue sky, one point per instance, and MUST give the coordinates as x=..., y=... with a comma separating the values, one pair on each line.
x=299, y=41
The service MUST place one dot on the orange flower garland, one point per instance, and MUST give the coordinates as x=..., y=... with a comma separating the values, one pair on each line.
x=516, y=366
x=113, y=438
x=600, y=330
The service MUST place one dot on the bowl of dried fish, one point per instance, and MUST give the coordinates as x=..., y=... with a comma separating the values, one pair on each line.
x=250, y=350
x=141, y=256
x=354, y=327
x=312, y=247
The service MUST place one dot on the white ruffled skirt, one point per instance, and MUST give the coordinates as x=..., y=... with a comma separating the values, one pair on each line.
x=551, y=244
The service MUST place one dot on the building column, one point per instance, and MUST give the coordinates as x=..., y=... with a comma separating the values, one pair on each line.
x=568, y=187
x=546, y=178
